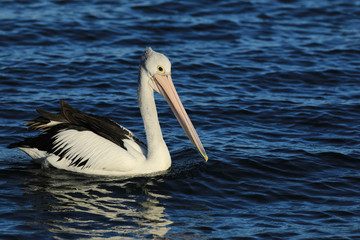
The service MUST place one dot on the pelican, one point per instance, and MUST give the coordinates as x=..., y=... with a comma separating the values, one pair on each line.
x=75, y=141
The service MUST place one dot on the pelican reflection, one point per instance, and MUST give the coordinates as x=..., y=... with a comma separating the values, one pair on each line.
x=98, y=208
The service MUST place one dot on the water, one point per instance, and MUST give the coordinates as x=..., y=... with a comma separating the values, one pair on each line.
x=271, y=86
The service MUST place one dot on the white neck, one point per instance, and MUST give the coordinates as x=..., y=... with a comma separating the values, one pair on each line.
x=158, y=154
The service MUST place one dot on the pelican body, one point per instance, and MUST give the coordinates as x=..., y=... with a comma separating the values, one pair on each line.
x=75, y=141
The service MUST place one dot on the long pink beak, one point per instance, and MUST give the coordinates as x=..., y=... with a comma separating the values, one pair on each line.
x=165, y=86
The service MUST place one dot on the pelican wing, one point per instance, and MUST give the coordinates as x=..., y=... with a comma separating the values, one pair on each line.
x=102, y=126
x=74, y=140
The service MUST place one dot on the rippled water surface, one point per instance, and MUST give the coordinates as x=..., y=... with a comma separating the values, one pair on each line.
x=271, y=86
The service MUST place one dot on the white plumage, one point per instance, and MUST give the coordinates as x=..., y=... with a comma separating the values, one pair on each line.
x=80, y=142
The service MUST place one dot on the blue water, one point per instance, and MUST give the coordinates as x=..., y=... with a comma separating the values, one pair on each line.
x=272, y=88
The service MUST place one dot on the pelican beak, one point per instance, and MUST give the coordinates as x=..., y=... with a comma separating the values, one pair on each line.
x=165, y=86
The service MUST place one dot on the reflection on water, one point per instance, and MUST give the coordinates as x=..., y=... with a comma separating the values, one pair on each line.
x=96, y=207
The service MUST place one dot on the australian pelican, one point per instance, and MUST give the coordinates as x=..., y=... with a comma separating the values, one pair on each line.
x=80, y=142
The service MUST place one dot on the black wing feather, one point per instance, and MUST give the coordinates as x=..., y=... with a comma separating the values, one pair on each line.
x=71, y=118
x=45, y=142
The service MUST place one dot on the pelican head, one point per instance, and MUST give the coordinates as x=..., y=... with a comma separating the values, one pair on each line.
x=158, y=70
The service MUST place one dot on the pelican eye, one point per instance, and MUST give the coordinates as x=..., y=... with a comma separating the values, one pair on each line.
x=160, y=69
